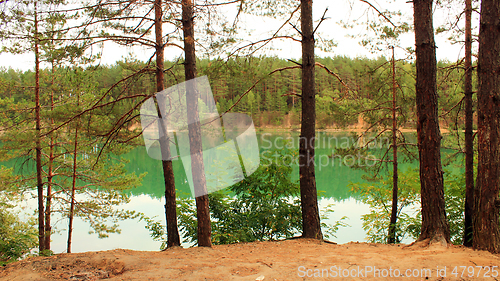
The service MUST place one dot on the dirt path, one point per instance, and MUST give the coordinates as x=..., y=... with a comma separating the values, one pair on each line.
x=298, y=259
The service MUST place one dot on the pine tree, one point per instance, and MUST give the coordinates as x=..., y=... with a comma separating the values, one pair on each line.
x=434, y=223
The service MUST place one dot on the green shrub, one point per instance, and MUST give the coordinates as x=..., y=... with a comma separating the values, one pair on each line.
x=263, y=206
x=17, y=238
x=379, y=197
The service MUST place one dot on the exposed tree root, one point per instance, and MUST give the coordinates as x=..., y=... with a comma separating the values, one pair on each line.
x=438, y=241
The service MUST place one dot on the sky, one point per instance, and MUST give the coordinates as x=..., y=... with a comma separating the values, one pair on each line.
x=346, y=10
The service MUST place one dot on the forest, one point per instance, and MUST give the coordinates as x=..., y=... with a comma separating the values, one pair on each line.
x=366, y=83
x=67, y=122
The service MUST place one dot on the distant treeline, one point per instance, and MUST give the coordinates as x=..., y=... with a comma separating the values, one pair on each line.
x=358, y=84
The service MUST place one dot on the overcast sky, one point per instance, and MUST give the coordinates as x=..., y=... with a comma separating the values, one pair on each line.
x=345, y=10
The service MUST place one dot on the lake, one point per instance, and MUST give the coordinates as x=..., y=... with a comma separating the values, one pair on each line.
x=333, y=177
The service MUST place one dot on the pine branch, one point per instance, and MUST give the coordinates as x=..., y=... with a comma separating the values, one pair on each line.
x=380, y=13
x=322, y=19
x=274, y=36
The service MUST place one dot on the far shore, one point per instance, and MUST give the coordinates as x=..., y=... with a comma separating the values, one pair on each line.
x=340, y=130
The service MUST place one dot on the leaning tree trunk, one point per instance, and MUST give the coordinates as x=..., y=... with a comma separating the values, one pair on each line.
x=434, y=223
x=485, y=222
x=311, y=227
x=197, y=166
x=469, y=140
x=173, y=238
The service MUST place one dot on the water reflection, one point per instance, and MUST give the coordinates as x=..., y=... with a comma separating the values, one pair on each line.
x=134, y=235
x=332, y=181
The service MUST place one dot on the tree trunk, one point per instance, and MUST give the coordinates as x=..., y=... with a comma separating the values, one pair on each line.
x=469, y=140
x=309, y=199
x=173, y=238
x=197, y=166
x=38, y=148
x=391, y=237
x=434, y=223
x=486, y=232
x=48, y=207
x=73, y=191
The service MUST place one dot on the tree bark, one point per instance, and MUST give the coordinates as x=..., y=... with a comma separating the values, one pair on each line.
x=469, y=140
x=38, y=145
x=48, y=206
x=311, y=227
x=195, y=144
x=485, y=221
x=173, y=238
x=434, y=223
x=391, y=237
x=73, y=191
x=73, y=185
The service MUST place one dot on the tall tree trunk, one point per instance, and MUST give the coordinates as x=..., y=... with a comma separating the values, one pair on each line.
x=48, y=207
x=469, y=140
x=486, y=232
x=434, y=223
x=197, y=166
x=73, y=191
x=311, y=227
x=173, y=238
x=38, y=148
x=391, y=237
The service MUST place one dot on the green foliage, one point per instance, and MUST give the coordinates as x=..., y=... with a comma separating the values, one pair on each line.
x=379, y=197
x=275, y=8
x=454, y=195
x=449, y=27
x=18, y=35
x=269, y=102
x=99, y=187
x=17, y=237
x=263, y=207
x=382, y=28
x=156, y=229
x=330, y=230
x=100, y=190
x=343, y=113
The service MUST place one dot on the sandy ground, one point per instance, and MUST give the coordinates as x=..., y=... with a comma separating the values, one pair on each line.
x=298, y=259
